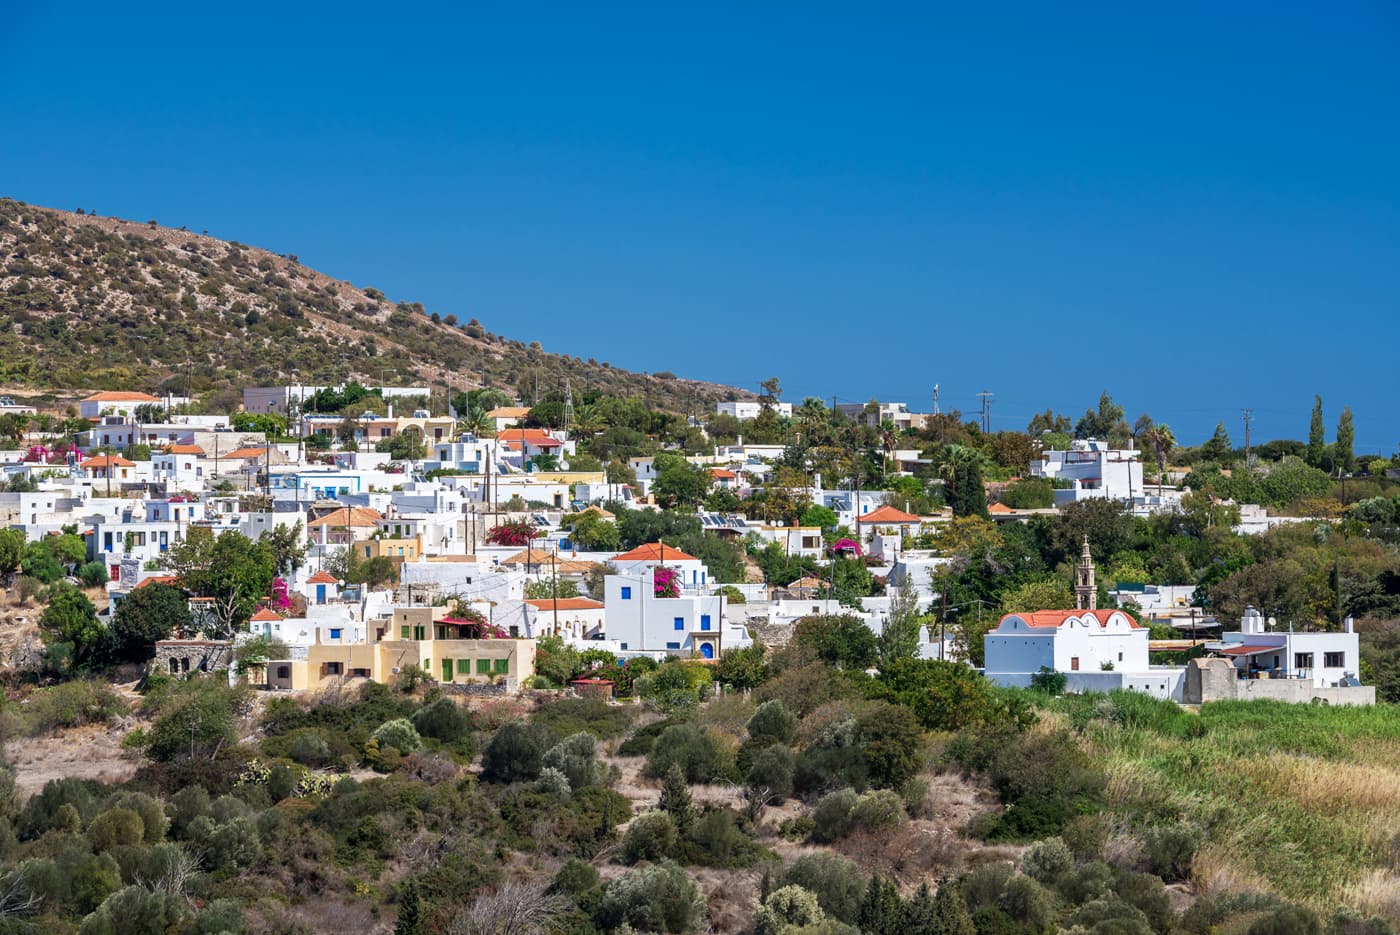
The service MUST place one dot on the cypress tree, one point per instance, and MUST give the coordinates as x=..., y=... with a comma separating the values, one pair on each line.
x=881, y=912
x=410, y=918
x=950, y=912
x=675, y=798
x=1317, y=442
x=1346, y=442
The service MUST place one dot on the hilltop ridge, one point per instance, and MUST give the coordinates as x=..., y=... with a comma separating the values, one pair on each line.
x=92, y=302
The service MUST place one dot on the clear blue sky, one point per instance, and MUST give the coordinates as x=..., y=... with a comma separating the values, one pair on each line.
x=1196, y=206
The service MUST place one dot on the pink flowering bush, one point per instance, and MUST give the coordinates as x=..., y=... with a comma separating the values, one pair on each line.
x=666, y=582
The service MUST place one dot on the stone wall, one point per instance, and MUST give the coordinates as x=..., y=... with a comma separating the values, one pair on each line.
x=184, y=657
x=1216, y=680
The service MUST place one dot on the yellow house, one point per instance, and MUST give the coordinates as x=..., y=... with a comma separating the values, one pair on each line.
x=402, y=550
x=449, y=649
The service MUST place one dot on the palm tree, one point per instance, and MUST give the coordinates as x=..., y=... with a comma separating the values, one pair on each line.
x=1162, y=440
x=475, y=422
x=588, y=420
x=889, y=438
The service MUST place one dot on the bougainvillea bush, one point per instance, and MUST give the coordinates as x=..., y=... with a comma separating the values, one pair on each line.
x=516, y=533
x=666, y=581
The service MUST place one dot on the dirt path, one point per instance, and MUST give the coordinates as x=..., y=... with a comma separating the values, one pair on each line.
x=91, y=752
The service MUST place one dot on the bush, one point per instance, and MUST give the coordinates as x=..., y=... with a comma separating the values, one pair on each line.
x=515, y=753
x=399, y=734
x=773, y=722
x=877, y=809
x=837, y=882
x=571, y=715
x=659, y=898
x=1287, y=920
x=153, y=820
x=1171, y=848
x=135, y=910
x=695, y=752
x=1049, y=681
x=443, y=720
x=93, y=574
x=651, y=836
x=115, y=827
x=309, y=748
x=772, y=770
x=717, y=840
x=1046, y=860
x=1149, y=894
x=234, y=845
x=832, y=817
x=575, y=758
x=70, y=704
x=786, y=908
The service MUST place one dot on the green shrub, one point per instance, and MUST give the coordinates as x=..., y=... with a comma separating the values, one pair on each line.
x=135, y=910
x=876, y=810
x=1171, y=848
x=658, y=898
x=773, y=722
x=93, y=574
x=1287, y=920
x=695, y=752
x=837, y=882
x=115, y=828
x=1149, y=894
x=575, y=757
x=1109, y=914
x=831, y=819
x=153, y=820
x=773, y=770
x=651, y=836
x=70, y=704
x=309, y=748
x=716, y=840
x=186, y=805
x=80, y=798
x=443, y=720
x=1046, y=860
x=234, y=845
x=515, y=753
x=643, y=739
x=399, y=734
x=571, y=715
x=785, y=909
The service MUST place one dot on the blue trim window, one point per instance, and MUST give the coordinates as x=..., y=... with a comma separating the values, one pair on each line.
x=626, y=594
x=335, y=634
x=680, y=623
x=704, y=621
x=673, y=645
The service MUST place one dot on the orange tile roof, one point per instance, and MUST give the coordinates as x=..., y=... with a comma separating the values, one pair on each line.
x=120, y=396
x=722, y=474
x=888, y=514
x=241, y=453
x=566, y=603
x=537, y=437
x=999, y=508
x=266, y=614
x=655, y=552
x=508, y=412
x=102, y=461
x=184, y=450
x=170, y=580
x=1053, y=619
x=322, y=577
x=359, y=516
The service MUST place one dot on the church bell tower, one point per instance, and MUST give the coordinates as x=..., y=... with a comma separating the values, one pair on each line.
x=1086, y=592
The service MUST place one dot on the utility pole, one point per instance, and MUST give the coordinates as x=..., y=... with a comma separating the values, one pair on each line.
x=935, y=399
x=568, y=404
x=1248, y=415
x=986, y=412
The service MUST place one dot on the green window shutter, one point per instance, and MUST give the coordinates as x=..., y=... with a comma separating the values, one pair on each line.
x=483, y=667
x=464, y=667
x=502, y=665
x=403, y=631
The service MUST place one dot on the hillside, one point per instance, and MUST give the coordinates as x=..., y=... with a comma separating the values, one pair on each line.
x=90, y=302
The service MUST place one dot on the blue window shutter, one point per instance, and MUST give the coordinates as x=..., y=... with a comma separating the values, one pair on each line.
x=704, y=621
x=626, y=594
x=680, y=623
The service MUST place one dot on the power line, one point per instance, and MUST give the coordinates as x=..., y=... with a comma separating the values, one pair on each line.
x=986, y=411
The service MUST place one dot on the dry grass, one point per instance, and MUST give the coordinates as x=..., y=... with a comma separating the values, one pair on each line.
x=1378, y=893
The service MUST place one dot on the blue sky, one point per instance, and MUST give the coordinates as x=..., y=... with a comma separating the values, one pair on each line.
x=1196, y=207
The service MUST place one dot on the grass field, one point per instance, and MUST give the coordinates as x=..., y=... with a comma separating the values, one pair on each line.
x=1299, y=800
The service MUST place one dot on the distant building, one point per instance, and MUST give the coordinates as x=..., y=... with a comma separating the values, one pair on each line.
x=745, y=409
x=1092, y=470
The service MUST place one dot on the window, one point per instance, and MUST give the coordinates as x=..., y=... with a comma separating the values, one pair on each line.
x=335, y=633
x=1120, y=657
x=420, y=633
x=284, y=672
x=464, y=667
x=403, y=632
x=334, y=668
x=626, y=594
x=624, y=647
x=1334, y=660
x=679, y=623
x=1074, y=663
x=673, y=645
x=704, y=621
x=483, y=667
x=501, y=666
x=1302, y=660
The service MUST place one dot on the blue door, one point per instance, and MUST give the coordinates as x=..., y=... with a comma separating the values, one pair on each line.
x=320, y=593
x=707, y=651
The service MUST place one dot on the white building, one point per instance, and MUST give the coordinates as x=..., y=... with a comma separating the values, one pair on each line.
x=1093, y=470
x=645, y=558
x=750, y=409
x=1324, y=659
x=692, y=624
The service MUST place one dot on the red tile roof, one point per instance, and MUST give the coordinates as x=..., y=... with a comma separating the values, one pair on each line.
x=566, y=603
x=722, y=474
x=359, y=516
x=158, y=579
x=999, y=508
x=102, y=461
x=322, y=577
x=889, y=515
x=655, y=552
x=1054, y=619
x=184, y=450
x=539, y=438
x=266, y=614
x=120, y=396
x=242, y=453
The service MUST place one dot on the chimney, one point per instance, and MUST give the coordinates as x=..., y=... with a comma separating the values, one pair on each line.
x=1349, y=624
